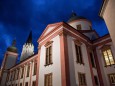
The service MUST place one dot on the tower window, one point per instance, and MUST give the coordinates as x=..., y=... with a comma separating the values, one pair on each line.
x=48, y=55
x=82, y=79
x=79, y=27
x=48, y=80
x=108, y=57
x=112, y=79
x=28, y=70
x=78, y=54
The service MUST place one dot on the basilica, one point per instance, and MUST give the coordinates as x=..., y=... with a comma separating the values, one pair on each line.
x=69, y=54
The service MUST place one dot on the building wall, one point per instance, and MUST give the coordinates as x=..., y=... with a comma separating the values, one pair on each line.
x=54, y=68
x=76, y=67
x=109, y=17
x=25, y=79
x=85, y=25
x=105, y=70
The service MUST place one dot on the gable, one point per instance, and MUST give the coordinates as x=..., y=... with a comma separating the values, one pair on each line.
x=49, y=29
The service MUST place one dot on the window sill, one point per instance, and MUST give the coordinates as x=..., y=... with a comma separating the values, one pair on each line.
x=48, y=64
x=109, y=65
x=80, y=63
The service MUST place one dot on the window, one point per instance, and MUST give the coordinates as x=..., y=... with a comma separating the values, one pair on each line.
x=16, y=84
x=96, y=80
x=78, y=54
x=79, y=27
x=8, y=76
x=22, y=72
x=20, y=84
x=35, y=67
x=92, y=59
x=28, y=70
x=48, y=80
x=34, y=83
x=112, y=79
x=48, y=55
x=108, y=57
x=17, y=73
x=11, y=75
x=14, y=75
x=26, y=84
x=82, y=79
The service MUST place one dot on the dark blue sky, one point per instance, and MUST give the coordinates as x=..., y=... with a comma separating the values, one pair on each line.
x=18, y=17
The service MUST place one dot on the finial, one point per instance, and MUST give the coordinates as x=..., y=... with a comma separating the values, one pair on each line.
x=14, y=42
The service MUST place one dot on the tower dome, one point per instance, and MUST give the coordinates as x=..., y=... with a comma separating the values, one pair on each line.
x=12, y=48
x=75, y=17
x=79, y=22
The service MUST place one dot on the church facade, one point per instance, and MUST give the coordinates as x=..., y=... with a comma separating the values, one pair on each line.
x=69, y=54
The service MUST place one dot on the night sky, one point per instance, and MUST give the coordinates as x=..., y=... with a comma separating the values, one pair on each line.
x=18, y=17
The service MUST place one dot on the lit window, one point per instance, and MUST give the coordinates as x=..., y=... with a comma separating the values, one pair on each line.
x=78, y=54
x=79, y=27
x=112, y=79
x=108, y=57
x=82, y=79
x=49, y=55
x=48, y=80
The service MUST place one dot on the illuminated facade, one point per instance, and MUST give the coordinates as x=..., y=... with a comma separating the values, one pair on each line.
x=108, y=14
x=69, y=54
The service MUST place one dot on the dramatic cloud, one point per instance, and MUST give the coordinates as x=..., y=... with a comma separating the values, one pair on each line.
x=18, y=17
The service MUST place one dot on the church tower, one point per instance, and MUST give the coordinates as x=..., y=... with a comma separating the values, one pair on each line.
x=28, y=48
x=9, y=61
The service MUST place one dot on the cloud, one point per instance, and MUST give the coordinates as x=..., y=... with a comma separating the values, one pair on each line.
x=18, y=17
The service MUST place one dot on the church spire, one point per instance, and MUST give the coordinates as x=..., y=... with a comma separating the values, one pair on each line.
x=29, y=40
x=28, y=48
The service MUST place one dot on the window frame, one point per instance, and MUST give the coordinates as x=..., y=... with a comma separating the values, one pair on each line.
x=46, y=79
x=28, y=71
x=96, y=80
x=110, y=79
x=34, y=83
x=78, y=44
x=105, y=48
x=35, y=69
x=92, y=59
x=79, y=76
x=79, y=27
x=22, y=72
x=48, y=59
